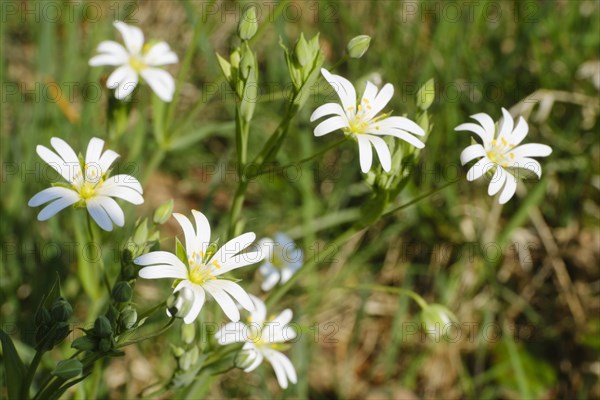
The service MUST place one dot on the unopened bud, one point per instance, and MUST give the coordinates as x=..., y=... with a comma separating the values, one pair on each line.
x=180, y=302
x=122, y=292
x=42, y=316
x=61, y=310
x=302, y=51
x=248, y=24
x=102, y=327
x=128, y=318
x=244, y=358
x=358, y=46
x=163, y=212
x=188, y=332
x=68, y=369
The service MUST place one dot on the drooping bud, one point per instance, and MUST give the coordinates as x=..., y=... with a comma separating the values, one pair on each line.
x=188, y=332
x=128, y=318
x=163, y=212
x=244, y=358
x=358, y=46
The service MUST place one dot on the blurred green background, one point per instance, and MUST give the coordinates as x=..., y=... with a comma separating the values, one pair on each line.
x=523, y=280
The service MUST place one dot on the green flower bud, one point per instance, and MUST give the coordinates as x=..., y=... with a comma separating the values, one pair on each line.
x=358, y=46
x=122, y=292
x=234, y=58
x=163, y=212
x=42, y=317
x=436, y=319
x=62, y=330
x=105, y=345
x=84, y=343
x=128, y=318
x=180, y=302
x=177, y=351
x=247, y=63
x=188, y=331
x=426, y=95
x=140, y=236
x=112, y=314
x=61, y=310
x=68, y=369
x=303, y=52
x=188, y=359
x=248, y=24
x=102, y=327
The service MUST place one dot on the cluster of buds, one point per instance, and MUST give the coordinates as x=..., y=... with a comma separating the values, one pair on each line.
x=52, y=326
x=100, y=338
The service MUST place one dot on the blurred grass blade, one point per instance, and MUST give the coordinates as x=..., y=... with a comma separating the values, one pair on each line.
x=15, y=370
x=195, y=136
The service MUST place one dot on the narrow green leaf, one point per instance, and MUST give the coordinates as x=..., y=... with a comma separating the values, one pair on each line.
x=15, y=370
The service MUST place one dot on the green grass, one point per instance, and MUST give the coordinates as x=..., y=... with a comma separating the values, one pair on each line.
x=479, y=64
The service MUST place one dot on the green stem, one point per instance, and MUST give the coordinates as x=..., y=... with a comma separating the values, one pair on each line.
x=31, y=373
x=419, y=198
x=236, y=207
x=152, y=335
x=311, y=264
x=92, y=240
x=418, y=299
x=151, y=310
x=157, y=157
x=302, y=161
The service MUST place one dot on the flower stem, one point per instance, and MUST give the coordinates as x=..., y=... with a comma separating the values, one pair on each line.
x=152, y=335
x=418, y=299
x=30, y=374
x=419, y=198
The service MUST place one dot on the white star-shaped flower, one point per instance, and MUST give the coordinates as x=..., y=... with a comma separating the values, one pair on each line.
x=263, y=339
x=135, y=59
x=88, y=185
x=502, y=152
x=202, y=272
x=361, y=120
x=282, y=260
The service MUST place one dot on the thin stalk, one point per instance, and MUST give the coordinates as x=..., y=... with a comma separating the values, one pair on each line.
x=418, y=299
x=37, y=358
x=419, y=198
x=152, y=335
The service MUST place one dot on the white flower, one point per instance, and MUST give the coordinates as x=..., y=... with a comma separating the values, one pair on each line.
x=263, y=338
x=89, y=186
x=361, y=120
x=203, y=269
x=502, y=152
x=136, y=59
x=282, y=260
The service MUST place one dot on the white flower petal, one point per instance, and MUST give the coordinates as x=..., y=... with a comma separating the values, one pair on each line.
x=509, y=189
x=121, y=192
x=231, y=332
x=519, y=133
x=57, y=163
x=66, y=153
x=118, y=76
x=106, y=160
x=202, y=230
x=258, y=359
x=162, y=257
x=365, y=153
x=111, y=53
x=160, y=54
x=383, y=97
x=287, y=272
x=238, y=261
x=94, y=150
x=260, y=310
x=112, y=209
x=401, y=123
x=344, y=89
x=284, y=318
x=369, y=93
x=57, y=206
x=50, y=194
x=132, y=36
x=161, y=271
x=506, y=125
x=382, y=151
x=127, y=85
x=236, y=292
x=161, y=82
x=270, y=280
x=479, y=168
x=233, y=247
x=106, y=59
x=327, y=109
x=497, y=181
x=400, y=134
x=197, y=304
x=472, y=152
x=532, y=150
x=330, y=125
x=191, y=243
x=282, y=366
x=99, y=214
x=528, y=163
x=224, y=301
x=487, y=123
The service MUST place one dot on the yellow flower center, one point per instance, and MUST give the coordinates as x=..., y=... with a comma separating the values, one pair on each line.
x=91, y=183
x=87, y=190
x=137, y=64
x=201, y=272
x=500, y=153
